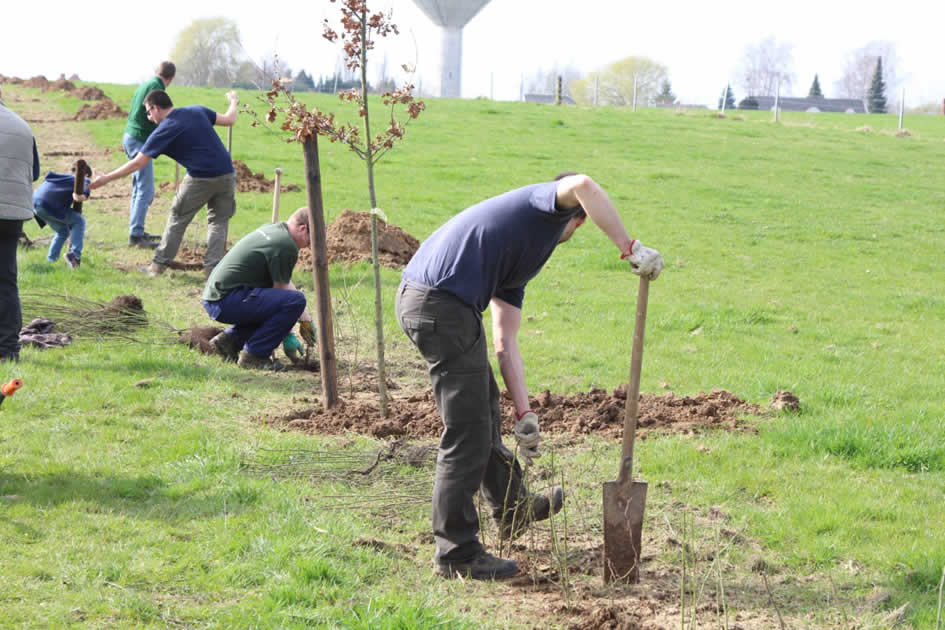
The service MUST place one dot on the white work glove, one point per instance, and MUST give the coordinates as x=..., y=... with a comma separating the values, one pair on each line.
x=644, y=261
x=527, y=434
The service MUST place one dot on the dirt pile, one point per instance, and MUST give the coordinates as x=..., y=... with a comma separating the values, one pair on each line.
x=38, y=81
x=349, y=240
x=199, y=337
x=247, y=181
x=89, y=93
x=59, y=85
x=100, y=110
x=596, y=411
x=190, y=258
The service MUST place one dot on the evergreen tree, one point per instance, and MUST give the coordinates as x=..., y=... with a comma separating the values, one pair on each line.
x=666, y=96
x=815, y=91
x=748, y=102
x=729, y=98
x=877, y=93
x=303, y=82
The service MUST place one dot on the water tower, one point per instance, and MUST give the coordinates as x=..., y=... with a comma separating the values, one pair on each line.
x=451, y=16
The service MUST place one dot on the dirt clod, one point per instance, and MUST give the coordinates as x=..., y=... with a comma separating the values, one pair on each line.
x=784, y=399
x=199, y=337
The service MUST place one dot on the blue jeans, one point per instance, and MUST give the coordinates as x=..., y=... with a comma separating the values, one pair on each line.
x=142, y=187
x=71, y=227
x=260, y=318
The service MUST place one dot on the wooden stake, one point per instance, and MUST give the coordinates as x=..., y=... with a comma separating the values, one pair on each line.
x=276, y=190
x=316, y=220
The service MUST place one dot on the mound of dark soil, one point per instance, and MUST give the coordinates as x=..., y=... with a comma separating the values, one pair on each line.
x=199, y=337
x=38, y=81
x=349, y=240
x=247, y=181
x=189, y=258
x=101, y=110
x=60, y=84
x=89, y=93
x=125, y=312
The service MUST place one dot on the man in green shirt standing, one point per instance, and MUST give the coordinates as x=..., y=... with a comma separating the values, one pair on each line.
x=136, y=132
x=251, y=289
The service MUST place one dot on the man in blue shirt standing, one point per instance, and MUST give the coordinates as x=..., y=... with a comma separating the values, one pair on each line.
x=137, y=131
x=186, y=134
x=483, y=257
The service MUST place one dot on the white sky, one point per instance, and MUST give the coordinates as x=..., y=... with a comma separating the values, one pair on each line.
x=701, y=43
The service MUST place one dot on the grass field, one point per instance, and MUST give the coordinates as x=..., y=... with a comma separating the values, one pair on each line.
x=802, y=255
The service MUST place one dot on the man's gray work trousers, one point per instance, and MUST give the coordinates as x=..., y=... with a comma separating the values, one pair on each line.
x=219, y=195
x=471, y=457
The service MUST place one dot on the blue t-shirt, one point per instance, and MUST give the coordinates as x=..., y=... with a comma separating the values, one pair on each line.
x=187, y=135
x=55, y=193
x=493, y=248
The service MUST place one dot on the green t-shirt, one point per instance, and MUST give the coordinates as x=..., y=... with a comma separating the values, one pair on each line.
x=138, y=124
x=261, y=258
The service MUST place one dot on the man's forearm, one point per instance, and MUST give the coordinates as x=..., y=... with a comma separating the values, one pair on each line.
x=129, y=167
x=603, y=213
x=513, y=373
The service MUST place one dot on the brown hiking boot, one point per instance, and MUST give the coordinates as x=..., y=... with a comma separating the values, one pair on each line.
x=226, y=347
x=482, y=566
x=537, y=507
x=156, y=269
x=249, y=361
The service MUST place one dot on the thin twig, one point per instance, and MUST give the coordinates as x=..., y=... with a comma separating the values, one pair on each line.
x=774, y=605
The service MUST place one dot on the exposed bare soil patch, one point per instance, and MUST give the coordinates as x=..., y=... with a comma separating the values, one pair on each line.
x=597, y=411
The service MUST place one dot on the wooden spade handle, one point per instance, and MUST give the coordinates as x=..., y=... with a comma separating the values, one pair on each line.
x=81, y=169
x=633, y=389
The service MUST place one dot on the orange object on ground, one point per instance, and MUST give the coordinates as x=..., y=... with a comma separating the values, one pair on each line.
x=8, y=389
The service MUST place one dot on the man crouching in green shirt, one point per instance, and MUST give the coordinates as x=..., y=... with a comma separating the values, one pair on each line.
x=252, y=290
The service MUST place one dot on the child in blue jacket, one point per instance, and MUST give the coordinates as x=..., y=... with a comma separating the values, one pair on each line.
x=53, y=204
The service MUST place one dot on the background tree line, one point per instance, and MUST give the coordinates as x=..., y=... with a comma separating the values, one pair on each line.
x=209, y=53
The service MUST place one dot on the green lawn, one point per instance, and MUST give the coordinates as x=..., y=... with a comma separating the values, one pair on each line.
x=802, y=255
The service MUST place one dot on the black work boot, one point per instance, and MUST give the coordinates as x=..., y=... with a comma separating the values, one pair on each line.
x=142, y=241
x=537, y=507
x=250, y=361
x=482, y=566
x=226, y=347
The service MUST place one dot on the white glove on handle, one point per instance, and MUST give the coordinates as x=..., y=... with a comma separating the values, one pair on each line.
x=644, y=261
x=527, y=434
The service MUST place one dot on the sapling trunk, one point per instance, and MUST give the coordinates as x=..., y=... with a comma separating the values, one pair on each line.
x=369, y=160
